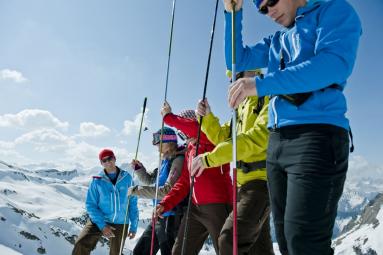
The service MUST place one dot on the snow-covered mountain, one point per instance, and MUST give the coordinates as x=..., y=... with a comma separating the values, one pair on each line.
x=42, y=211
x=364, y=182
x=363, y=234
x=358, y=227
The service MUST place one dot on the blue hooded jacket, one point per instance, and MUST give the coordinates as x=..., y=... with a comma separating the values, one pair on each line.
x=106, y=203
x=319, y=50
x=163, y=176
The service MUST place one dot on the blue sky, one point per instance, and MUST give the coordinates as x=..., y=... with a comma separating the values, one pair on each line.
x=73, y=75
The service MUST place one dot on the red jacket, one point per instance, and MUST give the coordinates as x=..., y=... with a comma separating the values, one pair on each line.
x=213, y=186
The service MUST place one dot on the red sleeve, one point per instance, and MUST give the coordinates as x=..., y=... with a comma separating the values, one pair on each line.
x=187, y=126
x=179, y=191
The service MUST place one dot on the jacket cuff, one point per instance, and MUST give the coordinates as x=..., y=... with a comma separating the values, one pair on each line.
x=133, y=229
x=101, y=225
x=205, y=160
x=207, y=119
x=167, y=116
x=261, y=87
x=229, y=13
x=165, y=205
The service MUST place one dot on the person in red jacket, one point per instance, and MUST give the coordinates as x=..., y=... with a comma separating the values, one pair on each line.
x=212, y=193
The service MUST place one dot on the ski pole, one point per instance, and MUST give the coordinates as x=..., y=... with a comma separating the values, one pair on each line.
x=154, y=219
x=131, y=183
x=199, y=130
x=234, y=133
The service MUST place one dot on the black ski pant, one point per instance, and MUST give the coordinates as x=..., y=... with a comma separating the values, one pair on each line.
x=164, y=235
x=306, y=166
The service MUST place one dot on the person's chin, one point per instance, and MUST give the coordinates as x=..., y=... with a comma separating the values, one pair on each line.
x=279, y=19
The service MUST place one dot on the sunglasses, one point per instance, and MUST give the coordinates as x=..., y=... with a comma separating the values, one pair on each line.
x=182, y=135
x=107, y=159
x=156, y=138
x=265, y=8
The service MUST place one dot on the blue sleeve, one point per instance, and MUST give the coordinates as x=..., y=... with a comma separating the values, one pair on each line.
x=133, y=214
x=338, y=34
x=247, y=58
x=92, y=208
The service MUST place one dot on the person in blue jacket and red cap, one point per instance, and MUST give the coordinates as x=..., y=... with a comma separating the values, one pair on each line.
x=106, y=204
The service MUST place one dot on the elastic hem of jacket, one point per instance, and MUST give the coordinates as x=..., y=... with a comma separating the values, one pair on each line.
x=247, y=167
x=206, y=161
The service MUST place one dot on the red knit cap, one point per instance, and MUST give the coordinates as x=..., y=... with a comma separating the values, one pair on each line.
x=106, y=153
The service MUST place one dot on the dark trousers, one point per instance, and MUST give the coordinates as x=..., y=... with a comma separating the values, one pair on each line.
x=253, y=222
x=307, y=167
x=204, y=220
x=164, y=234
x=89, y=236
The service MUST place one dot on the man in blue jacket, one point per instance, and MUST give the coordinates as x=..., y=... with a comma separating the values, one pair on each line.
x=106, y=204
x=308, y=64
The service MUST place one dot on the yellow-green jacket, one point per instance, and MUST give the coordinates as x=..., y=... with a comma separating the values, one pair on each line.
x=252, y=139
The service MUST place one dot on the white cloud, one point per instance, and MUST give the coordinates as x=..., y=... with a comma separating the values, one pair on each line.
x=45, y=140
x=131, y=126
x=360, y=167
x=82, y=153
x=51, y=146
x=31, y=119
x=6, y=145
x=12, y=75
x=90, y=129
x=9, y=154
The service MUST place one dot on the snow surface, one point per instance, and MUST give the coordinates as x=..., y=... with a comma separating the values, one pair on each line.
x=7, y=251
x=366, y=238
x=42, y=212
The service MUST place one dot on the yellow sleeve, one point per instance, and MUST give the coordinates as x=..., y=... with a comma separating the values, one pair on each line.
x=213, y=130
x=251, y=144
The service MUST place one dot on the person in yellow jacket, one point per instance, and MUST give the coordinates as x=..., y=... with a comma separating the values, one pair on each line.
x=253, y=206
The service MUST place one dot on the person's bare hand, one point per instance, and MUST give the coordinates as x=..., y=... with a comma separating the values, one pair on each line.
x=241, y=89
x=131, y=235
x=135, y=164
x=197, y=166
x=229, y=5
x=108, y=231
x=203, y=108
x=158, y=211
x=166, y=109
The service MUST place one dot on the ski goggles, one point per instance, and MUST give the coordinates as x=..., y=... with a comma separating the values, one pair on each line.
x=265, y=8
x=182, y=135
x=107, y=159
x=165, y=138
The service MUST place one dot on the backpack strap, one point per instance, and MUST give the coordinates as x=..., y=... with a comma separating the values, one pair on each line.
x=251, y=166
x=260, y=104
x=352, y=141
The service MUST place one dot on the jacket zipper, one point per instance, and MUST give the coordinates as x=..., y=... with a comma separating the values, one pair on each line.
x=119, y=202
x=118, y=194
x=275, y=113
x=115, y=204
x=111, y=202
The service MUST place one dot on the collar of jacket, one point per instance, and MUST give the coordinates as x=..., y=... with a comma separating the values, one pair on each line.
x=310, y=6
x=121, y=174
